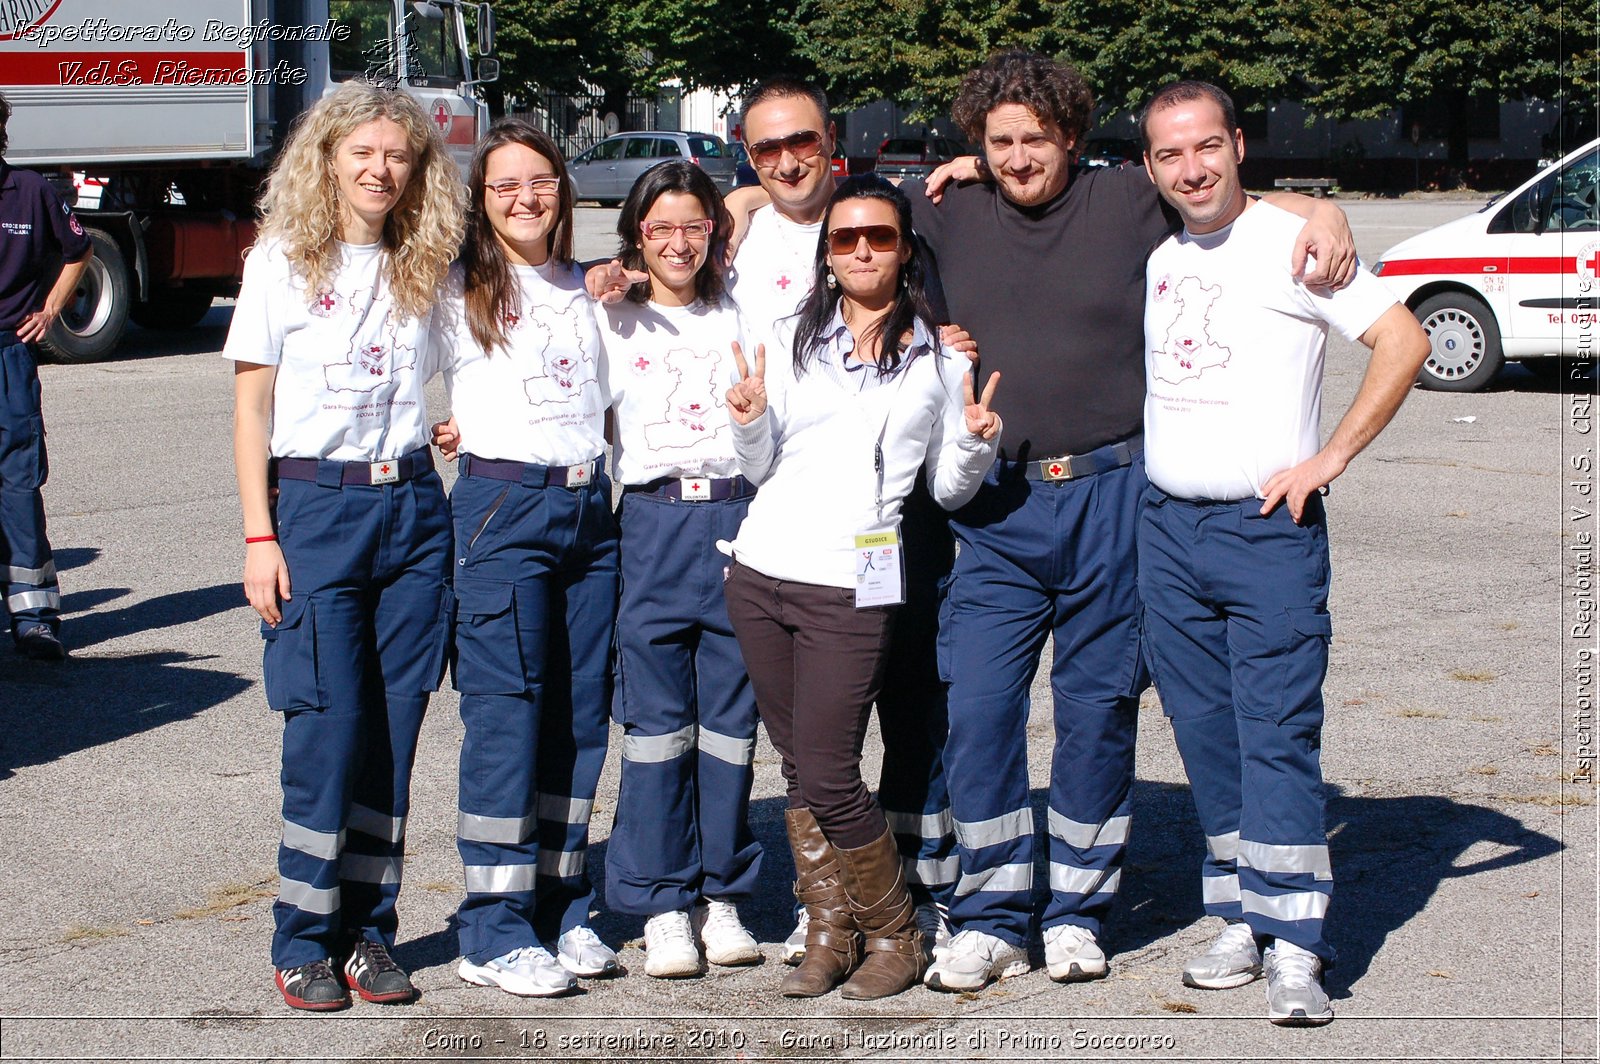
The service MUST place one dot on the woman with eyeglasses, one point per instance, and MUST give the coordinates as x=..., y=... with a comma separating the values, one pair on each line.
x=681, y=852
x=862, y=397
x=535, y=572
x=349, y=564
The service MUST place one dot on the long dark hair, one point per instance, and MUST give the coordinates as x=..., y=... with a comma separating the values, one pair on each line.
x=911, y=297
x=675, y=175
x=491, y=287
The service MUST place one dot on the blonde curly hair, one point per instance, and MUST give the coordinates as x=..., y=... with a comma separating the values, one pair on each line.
x=422, y=233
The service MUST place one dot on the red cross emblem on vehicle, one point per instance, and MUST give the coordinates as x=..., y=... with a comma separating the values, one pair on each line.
x=1594, y=263
x=441, y=116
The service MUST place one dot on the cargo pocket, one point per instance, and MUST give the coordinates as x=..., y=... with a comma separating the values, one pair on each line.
x=488, y=657
x=1307, y=633
x=941, y=643
x=290, y=668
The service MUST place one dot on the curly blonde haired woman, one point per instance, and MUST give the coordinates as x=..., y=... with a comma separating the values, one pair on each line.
x=332, y=342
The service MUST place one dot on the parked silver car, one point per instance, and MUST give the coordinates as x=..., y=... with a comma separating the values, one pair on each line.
x=606, y=172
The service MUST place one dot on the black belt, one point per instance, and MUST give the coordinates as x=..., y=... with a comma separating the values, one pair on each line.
x=332, y=474
x=532, y=474
x=1077, y=466
x=694, y=489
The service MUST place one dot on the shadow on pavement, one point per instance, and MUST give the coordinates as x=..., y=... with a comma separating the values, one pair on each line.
x=163, y=611
x=48, y=711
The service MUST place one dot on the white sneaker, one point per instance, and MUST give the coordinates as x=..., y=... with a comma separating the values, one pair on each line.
x=1295, y=997
x=934, y=927
x=973, y=959
x=725, y=939
x=669, y=949
x=583, y=954
x=794, y=947
x=1071, y=955
x=526, y=972
x=1233, y=960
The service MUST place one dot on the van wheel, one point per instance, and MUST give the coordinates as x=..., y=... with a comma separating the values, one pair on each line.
x=90, y=326
x=1463, y=343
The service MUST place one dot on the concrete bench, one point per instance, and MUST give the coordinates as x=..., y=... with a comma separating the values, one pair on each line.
x=1318, y=186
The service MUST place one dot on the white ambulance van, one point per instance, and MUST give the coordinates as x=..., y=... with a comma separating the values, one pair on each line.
x=1516, y=280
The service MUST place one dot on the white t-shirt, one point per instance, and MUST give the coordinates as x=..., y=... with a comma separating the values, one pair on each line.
x=543, y=398
x=1233, y=356
x=772, y=272
x=669, y=369
x=813, y=453
x=350, y=373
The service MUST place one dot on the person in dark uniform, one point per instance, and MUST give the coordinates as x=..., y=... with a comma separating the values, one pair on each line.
x=36, y=230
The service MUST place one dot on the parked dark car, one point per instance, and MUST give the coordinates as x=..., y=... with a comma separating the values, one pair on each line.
x=903, y=157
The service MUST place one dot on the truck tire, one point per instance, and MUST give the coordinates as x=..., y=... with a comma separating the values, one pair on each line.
x=91, y=326
x=1464, y=351
x=171, y=308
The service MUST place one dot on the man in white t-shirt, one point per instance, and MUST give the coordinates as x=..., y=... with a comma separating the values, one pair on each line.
x=1232, y=544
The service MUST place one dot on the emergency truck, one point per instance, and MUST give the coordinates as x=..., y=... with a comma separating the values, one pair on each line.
x=177, y=111
x=1520, y=279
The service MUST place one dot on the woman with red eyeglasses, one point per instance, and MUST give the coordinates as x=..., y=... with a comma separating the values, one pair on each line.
x=681, y=853
x=861, y=396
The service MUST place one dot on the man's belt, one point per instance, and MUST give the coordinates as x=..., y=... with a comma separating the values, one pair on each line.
x=1077, y=466
x=532, y=474
x=330, y=473
x=695, y=489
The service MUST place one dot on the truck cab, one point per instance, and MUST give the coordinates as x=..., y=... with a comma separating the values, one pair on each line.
x=177, y=112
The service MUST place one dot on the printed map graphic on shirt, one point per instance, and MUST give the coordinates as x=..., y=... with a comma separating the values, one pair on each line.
x=694, y=410
x=1188, y=349
x=568, y=374
x=373, y=359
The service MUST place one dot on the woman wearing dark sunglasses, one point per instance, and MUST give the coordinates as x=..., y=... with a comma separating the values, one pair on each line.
x=836, y=438
x=681, y=853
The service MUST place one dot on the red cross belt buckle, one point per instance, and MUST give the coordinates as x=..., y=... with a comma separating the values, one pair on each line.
x=578, y=475
x=695, y=489
x=1056, y=469
x=385, y=472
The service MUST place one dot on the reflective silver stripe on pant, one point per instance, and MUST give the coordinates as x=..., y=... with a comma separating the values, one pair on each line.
x=1010, y=877
x=324, y=845
x=367, y=868
x=563, y=864
x=305, y=897
x=1113, y=832
x=34, y=600
x=923, y=825
x=1017, y=824
x=932, y=873
x=1218, y=890
x=561, y=809
x=728, y=748
x=16, y=574
x=504, y=830
x=1299, y=905
x=1223, y=847
x=1264, y=857
x=369, y=821
x=1066, y=879
x=499, y=879
x=654, y=749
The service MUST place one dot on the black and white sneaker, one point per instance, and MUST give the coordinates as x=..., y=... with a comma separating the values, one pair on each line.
x=313, y=987
x=373, y=974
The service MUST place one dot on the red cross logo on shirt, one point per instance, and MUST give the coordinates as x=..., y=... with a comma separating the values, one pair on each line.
x=327, y=301
x=642, y=364
x=784, y=282
x=441, y=116
x=511, y=321
x=1161, y=289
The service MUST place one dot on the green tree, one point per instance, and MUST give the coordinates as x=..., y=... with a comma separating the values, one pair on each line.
x=713, y=44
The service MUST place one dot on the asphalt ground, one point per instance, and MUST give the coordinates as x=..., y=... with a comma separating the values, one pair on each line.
x=139, y=811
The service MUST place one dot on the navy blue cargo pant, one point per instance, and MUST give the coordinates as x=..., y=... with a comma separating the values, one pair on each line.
x=27, y=568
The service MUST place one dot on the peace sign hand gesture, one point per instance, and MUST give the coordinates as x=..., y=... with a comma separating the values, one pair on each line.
x=747, y=400
x=981, y=421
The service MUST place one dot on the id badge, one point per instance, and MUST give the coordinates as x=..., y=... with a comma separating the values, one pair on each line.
x=880, y=569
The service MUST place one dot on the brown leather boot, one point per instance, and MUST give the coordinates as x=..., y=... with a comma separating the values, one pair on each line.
x=874, y=882
x=831, y=936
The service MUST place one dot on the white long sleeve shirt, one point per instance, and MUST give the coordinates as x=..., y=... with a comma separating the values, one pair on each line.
x=813, y=453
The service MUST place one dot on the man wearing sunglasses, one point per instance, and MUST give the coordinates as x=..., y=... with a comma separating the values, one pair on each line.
x=1046, y=267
